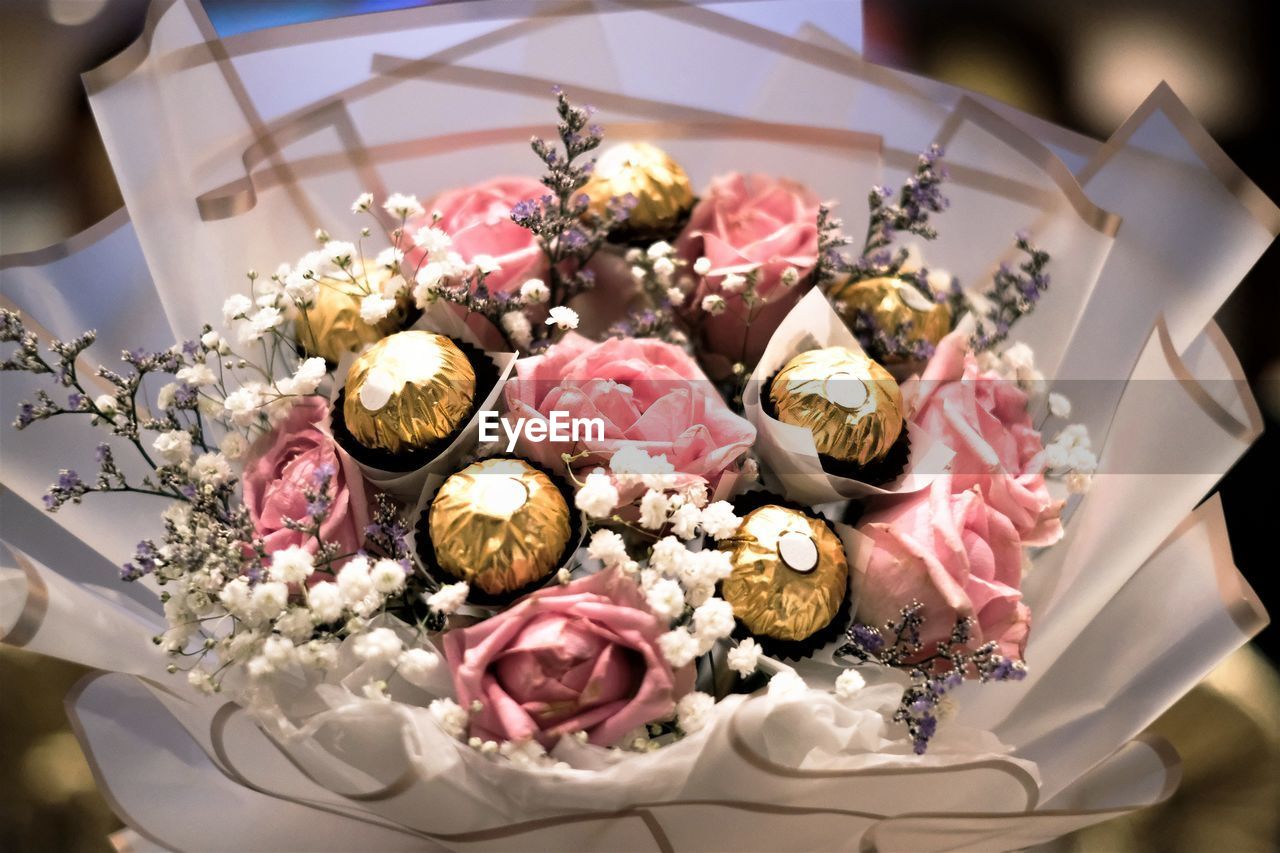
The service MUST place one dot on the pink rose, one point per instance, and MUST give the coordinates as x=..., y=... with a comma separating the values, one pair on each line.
x=650, y=395
x=984, y=419
x=282, y=465
x=749, y=223
x=580, y=657
x=956, y=555
x=478, y=219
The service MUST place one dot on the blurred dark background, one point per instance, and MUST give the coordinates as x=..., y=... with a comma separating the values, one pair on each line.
x=1084, y=64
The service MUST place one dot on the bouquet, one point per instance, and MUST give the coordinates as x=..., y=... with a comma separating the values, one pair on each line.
x=620, y=493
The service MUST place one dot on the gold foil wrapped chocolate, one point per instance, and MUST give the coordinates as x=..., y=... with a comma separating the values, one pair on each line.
x=408, y=390
x=332, y=326
x=852, y=405
x=500, y=525
x=892, y=304
x=790, y=575
x=660, y=187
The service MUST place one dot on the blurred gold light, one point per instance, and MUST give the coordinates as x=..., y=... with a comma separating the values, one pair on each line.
x=1119, y=62
x=986, y=68
x=54, y=769
x=73, y=13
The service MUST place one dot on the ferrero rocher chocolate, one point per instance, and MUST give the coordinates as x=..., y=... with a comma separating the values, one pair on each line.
x=790, y=575
x=408, y=390
x=332, y=326
x=851, y=404
x=892, y=304
x=499, y=524
x=660, y=187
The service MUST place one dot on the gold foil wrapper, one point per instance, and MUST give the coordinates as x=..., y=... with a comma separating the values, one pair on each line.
x=852, y=405
x=893, y=303
x=332, y=327
x=790, y=575
x=661, y=189
x=500, y=525
x=407, y=391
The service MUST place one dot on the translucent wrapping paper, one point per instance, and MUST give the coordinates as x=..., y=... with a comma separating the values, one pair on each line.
x=230, y=153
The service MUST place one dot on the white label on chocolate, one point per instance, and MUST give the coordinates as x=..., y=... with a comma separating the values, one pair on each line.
x=846, y=390
x=377, y=389
x=500, y=495
x=798, y=551
x=915, y=300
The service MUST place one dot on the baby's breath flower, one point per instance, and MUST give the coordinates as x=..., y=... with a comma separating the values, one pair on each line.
x=519, y=330
x=684, y=521
x=607, y=547
x=449, y=597
x=291, y=565
x=234, y=445
x=380, y=645
x=563, y=317
x=326, y=602
x=402, y=206
x=173, y=446
x=387, y=576
x=375, y=307
x=713, y=303
x=340, y=252
x=849, y=682
x=242, y=404
x=653, y=509
x=679, y=647
x=665, y=598
x=535, y=291
x=719, y=521
x=693, y=711
x=744, y=657
x=211, y=468
x=363, y=203
x=486, y=264
x=354, y=582
x=712, y=620
x=450, y=716
x=415, y=664
x=432, y=240
x=598, y=496
x=237, y=305
x=196, y=375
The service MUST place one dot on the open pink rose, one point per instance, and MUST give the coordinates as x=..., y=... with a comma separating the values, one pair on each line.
x=282, y=465
x=579, y=657
x=956, y=555
x=650, y=395
x=749, y=223
x=984, y=419
x=478, y=219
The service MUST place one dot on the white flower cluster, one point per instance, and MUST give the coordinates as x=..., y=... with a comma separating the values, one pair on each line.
x=676, y=580
x=630, y=467
x=659, y=270
x=279, y=622
x=1070, y=457
x=1018, y=363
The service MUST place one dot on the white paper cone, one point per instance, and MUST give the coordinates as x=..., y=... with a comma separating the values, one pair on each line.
x=788, y=450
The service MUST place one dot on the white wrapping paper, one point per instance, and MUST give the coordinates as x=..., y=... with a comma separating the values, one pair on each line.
x=267, y=135
x=788, y=451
